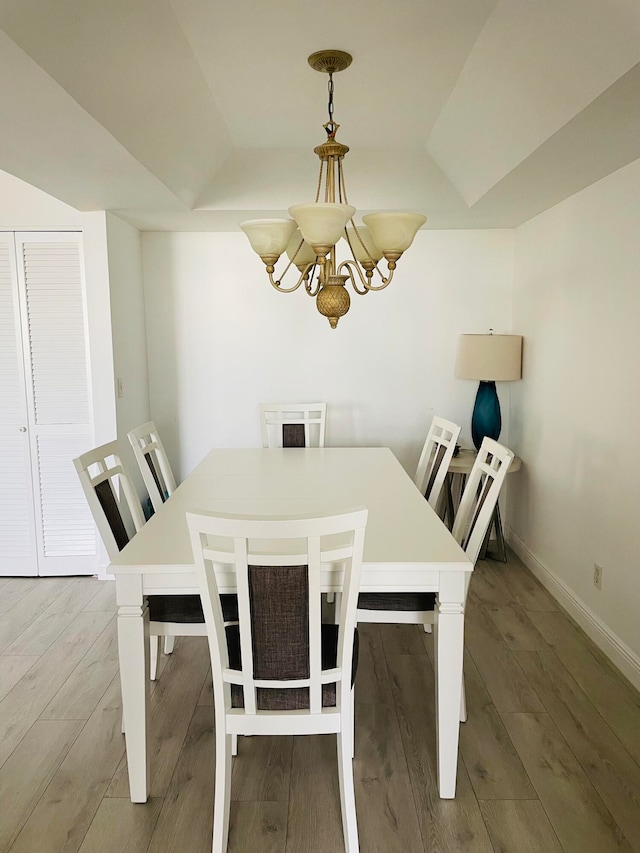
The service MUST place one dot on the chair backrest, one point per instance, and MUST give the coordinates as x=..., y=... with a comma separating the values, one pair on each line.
x=435, y=458
x=293, y=424
x=277, y=563
x=113, y=501
x=153, y=463
x=480, y=496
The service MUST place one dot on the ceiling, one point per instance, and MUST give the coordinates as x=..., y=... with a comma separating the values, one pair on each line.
x=196, y=114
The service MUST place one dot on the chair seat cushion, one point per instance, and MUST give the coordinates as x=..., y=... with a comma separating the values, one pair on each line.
x=297, y=698
x=187, y=609
x=401, y=601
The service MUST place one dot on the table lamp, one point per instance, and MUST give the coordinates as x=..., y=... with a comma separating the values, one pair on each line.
x=490, y=359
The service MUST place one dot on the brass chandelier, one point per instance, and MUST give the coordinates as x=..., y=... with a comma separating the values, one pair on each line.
x=311, y=235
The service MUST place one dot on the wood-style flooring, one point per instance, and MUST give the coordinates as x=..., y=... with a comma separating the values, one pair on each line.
x=549, y=757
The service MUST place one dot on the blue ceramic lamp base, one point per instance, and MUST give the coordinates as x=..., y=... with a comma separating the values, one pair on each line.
x=486, y=418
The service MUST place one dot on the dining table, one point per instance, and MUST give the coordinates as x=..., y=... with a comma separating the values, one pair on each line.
x=407, y=549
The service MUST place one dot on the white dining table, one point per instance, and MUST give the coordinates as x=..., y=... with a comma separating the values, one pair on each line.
x=407, y=549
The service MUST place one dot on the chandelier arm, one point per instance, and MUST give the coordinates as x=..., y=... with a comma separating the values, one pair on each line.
x=385, y=281
x=308, y=285
x=278, y=284
x=350, y=266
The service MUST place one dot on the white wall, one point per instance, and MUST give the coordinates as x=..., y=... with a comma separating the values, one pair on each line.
x=129, y=334
x=576, y=414
x=221, y=339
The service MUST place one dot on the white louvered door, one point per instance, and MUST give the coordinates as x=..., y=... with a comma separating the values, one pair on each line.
x=54, y=354
x=18, y=545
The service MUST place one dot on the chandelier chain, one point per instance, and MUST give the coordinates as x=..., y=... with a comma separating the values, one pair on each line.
x=331, y=129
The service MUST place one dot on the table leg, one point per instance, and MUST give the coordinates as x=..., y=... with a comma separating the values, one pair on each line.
x=133, y=653
x=449, y=644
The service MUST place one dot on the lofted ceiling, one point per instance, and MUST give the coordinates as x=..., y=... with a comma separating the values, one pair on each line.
x=196, y=114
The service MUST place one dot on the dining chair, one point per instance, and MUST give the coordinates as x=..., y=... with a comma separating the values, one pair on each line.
x=293, y=424
x=280, y=671
x=435, y=459
x=118, y=515
x=470, y=527
x=153, y=463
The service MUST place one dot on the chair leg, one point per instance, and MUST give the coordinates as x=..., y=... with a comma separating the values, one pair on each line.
x=234, y=744
x=347, y=793
x=463, y=704
x=169, y=642
x=153, y=657
x=427, y=628
x=222, y=796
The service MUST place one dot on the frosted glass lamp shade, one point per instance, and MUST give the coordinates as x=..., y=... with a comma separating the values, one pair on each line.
x=268, y=237
x=363, y=253
x=489, y=357
x=322, y=223
x=305, y=254
x=394, y=231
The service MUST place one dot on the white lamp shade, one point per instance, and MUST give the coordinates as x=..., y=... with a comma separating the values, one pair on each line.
x=268, y=236
x=489, y=357
x=394, y=231
x=322, y=223
x=305, y=255
x=367, y=252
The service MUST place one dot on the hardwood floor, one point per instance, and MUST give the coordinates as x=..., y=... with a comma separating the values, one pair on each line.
x=548, y=758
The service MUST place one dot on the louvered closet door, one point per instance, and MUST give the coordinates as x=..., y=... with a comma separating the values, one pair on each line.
x=18, y=546
x=50, y=284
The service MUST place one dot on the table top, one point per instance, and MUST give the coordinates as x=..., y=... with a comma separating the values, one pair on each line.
x=403, y=532
x=463, y=462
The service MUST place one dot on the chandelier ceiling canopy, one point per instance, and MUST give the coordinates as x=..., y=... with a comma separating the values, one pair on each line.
x=310, y=236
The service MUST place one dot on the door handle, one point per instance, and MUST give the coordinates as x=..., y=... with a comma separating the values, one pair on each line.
x=23, y=429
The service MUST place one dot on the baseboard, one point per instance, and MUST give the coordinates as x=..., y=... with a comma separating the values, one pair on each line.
x=623, y=657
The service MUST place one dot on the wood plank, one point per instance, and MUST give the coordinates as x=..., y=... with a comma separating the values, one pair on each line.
x=519, y=826
x=524, y=588
x=22, y=706
x=612, y=695
x=314, y=820
x=612, y=771
x=402, y=639
x=262, y=768
x=47, y=627
x=81, y=692
x=120, y=825
x=12, y=669
x=486, y=586
x=186, y=818
x=29, y=607
x=257, y=826
x=104, y=598
x=446, y=825
x=28, y=771
x=504, y=679
x=576, y=812
x=372, y=678
x=68, y=806
x=516, y=628
x=494, y=767
x=173, y=702
x=14, y=590
x=383, y=786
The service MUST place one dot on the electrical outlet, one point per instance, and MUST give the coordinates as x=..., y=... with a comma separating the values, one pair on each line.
x=597, y=576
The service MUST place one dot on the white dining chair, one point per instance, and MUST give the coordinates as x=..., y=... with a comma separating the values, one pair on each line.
x=118, y=515
x=470, y=527
x=280, y=671
x=293, y=424
x=435, y=459
x=153, y=463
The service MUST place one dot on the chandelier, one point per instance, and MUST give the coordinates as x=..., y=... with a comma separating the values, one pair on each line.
x=310, y=236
